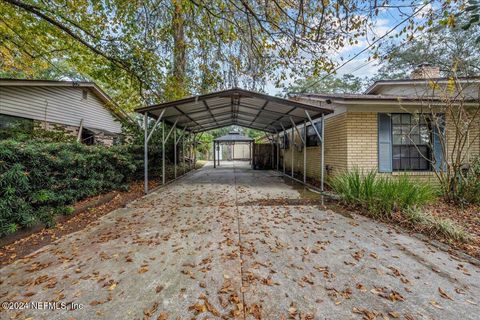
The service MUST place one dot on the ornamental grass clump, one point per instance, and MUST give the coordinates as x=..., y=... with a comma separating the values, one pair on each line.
x=381, y=195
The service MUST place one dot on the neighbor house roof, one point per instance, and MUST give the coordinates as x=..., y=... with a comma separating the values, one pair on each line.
x=233, y=137
x=109, y=103
x=234, y=107
x=381, y=83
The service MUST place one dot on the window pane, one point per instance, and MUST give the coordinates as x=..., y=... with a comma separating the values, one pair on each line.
x=410, y=142
x=404, y=153
x=396, y=152
x=423, y=164
x=406, y=118
x=423, y=150
x=424, y=135
x=415, y=138
x=397, y=139
x=406, y=129
x=396, y=119
x=414, y=164
x=414, y=152
x=396, y=164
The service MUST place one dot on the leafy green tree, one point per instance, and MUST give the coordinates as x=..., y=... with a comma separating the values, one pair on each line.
x=452, y=49
x=146, y=52
x=330, y=84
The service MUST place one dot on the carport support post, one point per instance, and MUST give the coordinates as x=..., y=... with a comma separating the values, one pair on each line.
x=145, y=153
x=273, y=154
x=194, y=151
x=323, y=152
x=163, y=152
x=322, y=140
x=278, y=151
x=251, y=154
x=293, y=147
x=304, y=152
x=214, y=151
x=283, y=152
x=175, y=152
x=183, y=155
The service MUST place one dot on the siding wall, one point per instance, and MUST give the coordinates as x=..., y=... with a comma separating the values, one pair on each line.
x=62, y=105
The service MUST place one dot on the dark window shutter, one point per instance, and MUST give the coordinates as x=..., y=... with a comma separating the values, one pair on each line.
x=437, y=143
x=384, y=143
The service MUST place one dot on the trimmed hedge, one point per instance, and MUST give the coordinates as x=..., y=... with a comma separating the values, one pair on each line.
x=39, y=180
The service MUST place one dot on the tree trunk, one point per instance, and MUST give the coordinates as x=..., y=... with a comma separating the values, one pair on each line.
x=179, y=48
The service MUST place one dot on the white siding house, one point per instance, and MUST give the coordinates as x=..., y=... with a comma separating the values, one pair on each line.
x=76, y=106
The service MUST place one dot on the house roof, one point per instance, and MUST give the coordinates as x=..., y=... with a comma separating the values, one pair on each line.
x=351, y=98
x=381, y=83
x=233, y=137
x=109, y=103
x=234, y=107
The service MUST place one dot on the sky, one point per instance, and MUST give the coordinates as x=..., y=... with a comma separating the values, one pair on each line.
x=360, y=66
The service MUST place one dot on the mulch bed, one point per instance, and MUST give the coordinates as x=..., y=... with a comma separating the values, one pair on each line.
x=468, y=218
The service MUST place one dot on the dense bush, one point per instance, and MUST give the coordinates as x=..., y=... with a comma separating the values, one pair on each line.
x=469, y=183
x=379, y=194
x=39, y=180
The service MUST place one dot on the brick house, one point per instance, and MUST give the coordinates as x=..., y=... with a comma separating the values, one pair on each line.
x=365, y=130
x=81, y=109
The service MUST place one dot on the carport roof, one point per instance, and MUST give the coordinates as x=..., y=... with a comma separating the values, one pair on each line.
x=234, y=107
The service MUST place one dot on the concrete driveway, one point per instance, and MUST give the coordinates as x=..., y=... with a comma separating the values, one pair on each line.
x=208, y=247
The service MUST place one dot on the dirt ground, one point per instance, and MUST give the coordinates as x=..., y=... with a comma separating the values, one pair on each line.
x=211, y=246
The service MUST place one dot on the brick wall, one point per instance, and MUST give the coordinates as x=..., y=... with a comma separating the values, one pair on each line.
x=362, y=140
x=352, y=141
x=335, y=149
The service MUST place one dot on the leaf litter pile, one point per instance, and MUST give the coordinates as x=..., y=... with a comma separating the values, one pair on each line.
x=199, y=250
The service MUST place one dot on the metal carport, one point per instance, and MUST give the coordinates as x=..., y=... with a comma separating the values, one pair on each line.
x=200, y=113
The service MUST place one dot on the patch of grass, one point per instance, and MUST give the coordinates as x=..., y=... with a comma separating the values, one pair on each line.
x=436, y=226
x=381, y=195
x=399, y=198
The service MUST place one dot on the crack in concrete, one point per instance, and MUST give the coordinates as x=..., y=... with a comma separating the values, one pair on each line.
x=239, y=241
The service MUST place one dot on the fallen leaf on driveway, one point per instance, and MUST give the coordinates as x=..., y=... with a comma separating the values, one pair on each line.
x=444, y=294
x=198, y=308
x=367, y=314
x=435, y=304
x=150, y=312
x=143, y=269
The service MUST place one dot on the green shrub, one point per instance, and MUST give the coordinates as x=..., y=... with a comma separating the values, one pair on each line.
x=39, y=180
x=381, y=195
x=469, y=183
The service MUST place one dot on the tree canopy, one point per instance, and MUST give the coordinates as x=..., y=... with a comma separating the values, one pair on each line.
x=454, y=50
x=156, y=50
x=330, y=84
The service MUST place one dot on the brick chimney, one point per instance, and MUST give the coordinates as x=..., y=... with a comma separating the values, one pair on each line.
x=425, y=71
